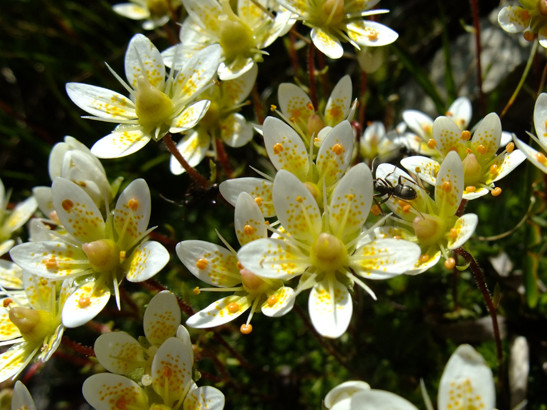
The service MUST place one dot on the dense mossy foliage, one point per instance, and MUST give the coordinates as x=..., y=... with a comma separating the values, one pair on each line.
x=426, y=279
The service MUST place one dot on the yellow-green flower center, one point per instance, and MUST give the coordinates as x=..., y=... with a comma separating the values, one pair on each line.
x=251, y=282
x=314, y=125
x=328, y=253
x=236, y=39
x=157, y=8
x=428, y=228
x=472, y=170
x=103, y=255
x=153, y=107
x=333, y=11
x=212, y=116
x=34, y=325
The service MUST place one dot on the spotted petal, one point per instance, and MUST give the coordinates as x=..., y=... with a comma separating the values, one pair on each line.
x=161, y=318
x=205, y=13
x=449, y=185
x=460, y=112
x=330, y=308
x=205, y=397
x=279, y=302
x=420, y=123
x=193, y=147
x=466, y=379
x=540, y=119
x=384, y=258
x=509, y=163
x=371, y=33
x=145, y=261
x=189, y=117
x=260, y=189
x=21, y=399
x=425, y=168
x=447, y=135
x=488, y=135
x=197, y=73
x=236, y=131
x=102, y=102
x=8, y=330
x=327, y=44
x=514, y=19
x=464, y=228
x=20, y=215
x=340, y=395
x=532, y=154
x=142, y=58
x=294, y=103
x=339, y=102
x=209, y=262
x=248, y=220
x=132, y=213
x=123, y=141
x=106, y=391
x=119, y=352
x=238, y=89
x=220, y=312
x=334, y=155
x=84, y=304
x=10, y=275
x=14, y=360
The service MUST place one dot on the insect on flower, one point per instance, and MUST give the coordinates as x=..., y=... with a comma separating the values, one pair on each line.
x=400, y=190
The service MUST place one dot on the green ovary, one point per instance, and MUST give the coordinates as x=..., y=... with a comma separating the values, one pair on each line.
x=236, y=39
x=428, y=228
x=157, y=7
x=472, y=170
x=328, y=253
x=103, y=255
x=34, y=325
x=253, y=283
x=333, y=11
x=153, y=107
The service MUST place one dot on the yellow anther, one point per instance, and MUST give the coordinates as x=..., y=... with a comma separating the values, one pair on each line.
x=299, y=199
x=397, y=237
x=468, y=151
x=84, y=301
x=67, y=205
x=375, y=210
x=6, y=302
x=424, y=258
x=446, y=186
x=448, y=114
x=202, y=263
x=372, y=35
x=277, y=148
x=450, y=263
x=196, y=290
x=493, y=169
x=481, y=149
x=309, y=105
x=529, y=36
x=51, y=263
x=133, y=204
x=431, y=144
x=406, y=208
x=510, y=147
x=248, y=230
x=418, y=170
x=258, y=201
x=123, y=256
x=471, y=188
x=541, y=158
x=350, y=197
x=246, y=329
x=401, y=203
x=337, y=149
x=496, y=191
x=239, y=265
x=233, y=307
x=272, y=300
x=273, y=107
x=465, y=135
x=453, y=233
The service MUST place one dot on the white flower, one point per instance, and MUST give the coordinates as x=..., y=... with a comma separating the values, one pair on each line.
x=156, y=105
x=21, y=399
x=98, y=254
x=155, y=13
x=540, y=123
x=328, y=251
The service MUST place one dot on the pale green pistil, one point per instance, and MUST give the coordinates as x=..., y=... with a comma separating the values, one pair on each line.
x=153, y=107
x=252, y=283
x=103, y=255
x=236, y=39
x=472, y=170
x=428, y=228
x=34, y=325
x=328, y=253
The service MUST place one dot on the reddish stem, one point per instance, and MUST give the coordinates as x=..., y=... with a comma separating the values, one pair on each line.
x=222, y=158
x=196, y=176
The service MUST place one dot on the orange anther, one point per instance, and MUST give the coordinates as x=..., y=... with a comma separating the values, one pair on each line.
x=337, y=149
x=202, y=263
x=196, y=290
x=133, y=204
x=67, y=205
x=424, y=258
x=277, y=148
x=273, y=107
x=446, y=186
x=248, y=230
x=496, y=191
x=372, y=35
x=470, y=188
x=299, y=198
x=448, y=114
x=465, y=135
x=510, y=147
x=246, y=329
x=233, y=307
x=541, y=158
x=450, y=263
x=375, y=210
x=406, y=209
x=239, y=265
x=493, y=169
x=84, y=301
x=481, y=149
x=6, y=302
x=272, y=300
x=529, y=36
x=51, y=263
x=431, y=144
x=453, y=233
x=397, y=237
x=258, y=201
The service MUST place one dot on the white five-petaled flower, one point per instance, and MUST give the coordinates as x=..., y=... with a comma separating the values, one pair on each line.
x=333, y=21
x=219, y=267
x=540, y=124
x=436, y=228
x=157, y=105
x=12, y=220
x=155, y=13
x=377, y=143
x=242, y=35
x=329, y=250
x=297, y=109
x=97, y=254
x=481, y=165
x=21, y=399
x=222, y=121
x=287, y=151
x=531, y=19
x=30, y=321
x=170, y=384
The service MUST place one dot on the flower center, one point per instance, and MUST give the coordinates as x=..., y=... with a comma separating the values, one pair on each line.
x=542, y=5
x=472, y=170
x=315, y=124
x=236, y=37
x=212, y=116
x=428, y=228
x=153, y=107
x=328, y=253
x=251, y=282
x=157, y=7
x=34, y=325
x=333, y=11
x=103, y=255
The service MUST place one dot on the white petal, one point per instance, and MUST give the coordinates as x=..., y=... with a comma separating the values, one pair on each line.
x=131, y=11
x=464, y=228
x=420, y=123
x=466, y=379
x=104, y=391
x=327, y=44
x=425, y=168
x=209, y=262
x=236, y=131
x=281, y=303
x=189, y=117
x=460, y=112
x=379, y=400
x=123, y=141
x=193, y=147
x=294, y=103
x=132, y=213
x=540, y=117
x=21, y=399
x=238, y=89
x=339, y=102
x=142, y=58
x=343, y=392
x=371, y=33
x=447, y=134
x=10, y=275
x=220, y=312
x=171, y=370
x=510, y=162
x=202, y=10
x=531, y=154
x=488, y=134
x=205, y=397
x=330, y=308
x=296, y=207
x=197, y=73
x=161, y=318
x=334, y=155
x=119, y=352
x=14, y=360
x=20, y=215
x=8, y=330
x=449, y=185
x=285, y=147
x=384, y=258
x=260, y=189
x=101, y=102
x=248, y=220
x=514, y=19
x=84, y=304
x=145, y=261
